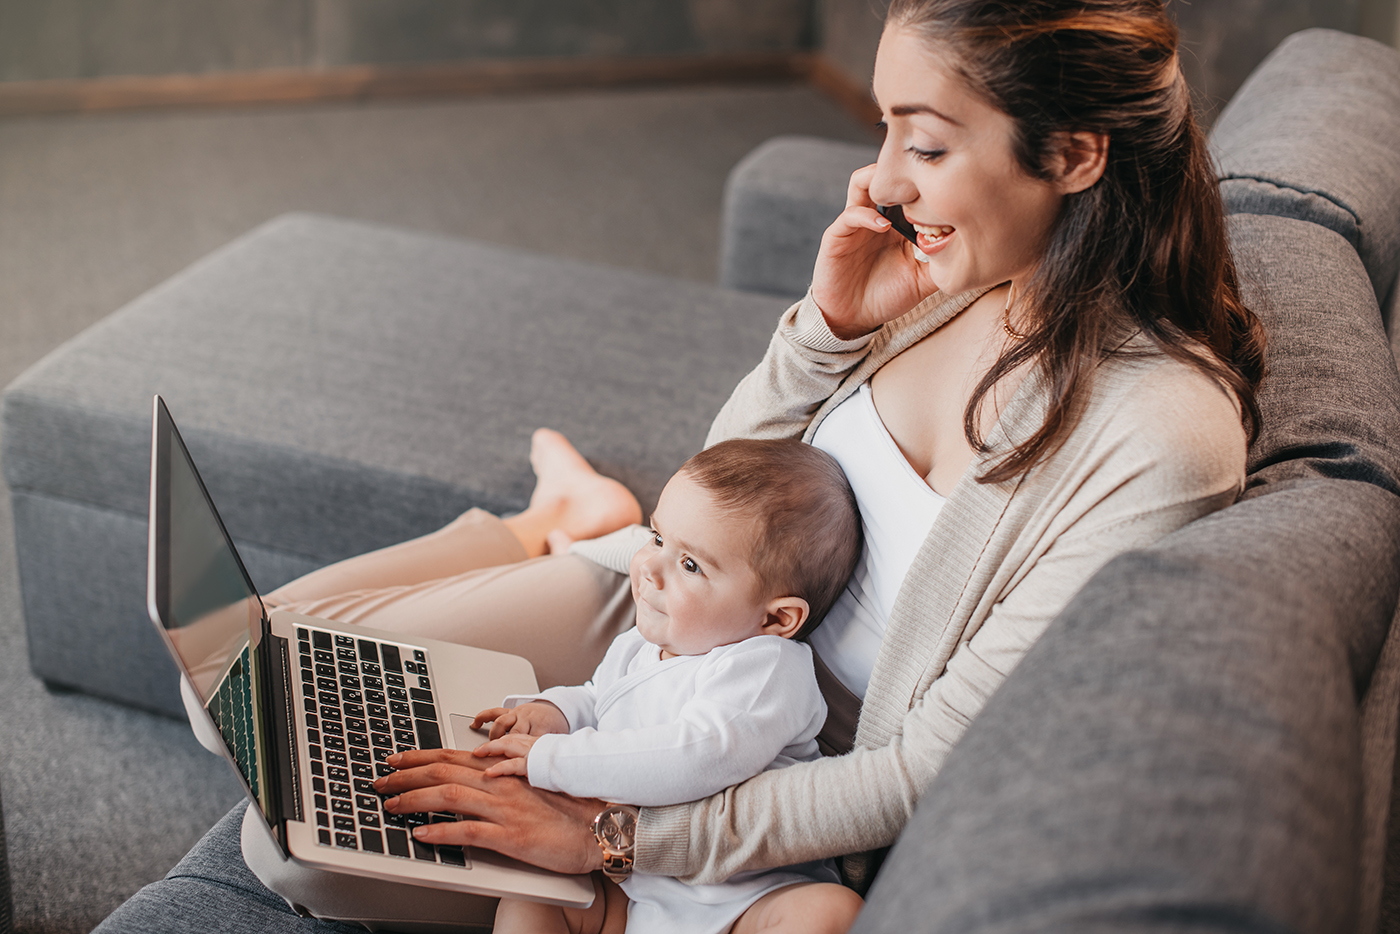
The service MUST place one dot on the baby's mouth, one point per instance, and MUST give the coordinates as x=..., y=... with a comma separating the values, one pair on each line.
x=931, y=235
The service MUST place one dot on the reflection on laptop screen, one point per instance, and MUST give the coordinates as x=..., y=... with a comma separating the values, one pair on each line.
x=211, y=612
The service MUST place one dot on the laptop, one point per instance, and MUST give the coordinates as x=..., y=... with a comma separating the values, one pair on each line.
x=308, y=709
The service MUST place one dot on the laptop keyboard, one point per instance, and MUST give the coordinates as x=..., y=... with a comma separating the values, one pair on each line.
x=365, y=699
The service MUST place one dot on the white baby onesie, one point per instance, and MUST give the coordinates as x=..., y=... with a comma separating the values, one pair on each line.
x=650, y=732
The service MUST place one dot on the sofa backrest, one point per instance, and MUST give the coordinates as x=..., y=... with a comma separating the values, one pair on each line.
x=1315, y=134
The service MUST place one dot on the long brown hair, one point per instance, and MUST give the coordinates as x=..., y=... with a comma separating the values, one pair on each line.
x=1145, y=247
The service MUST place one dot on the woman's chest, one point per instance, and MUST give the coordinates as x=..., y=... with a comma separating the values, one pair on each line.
x=922, y=394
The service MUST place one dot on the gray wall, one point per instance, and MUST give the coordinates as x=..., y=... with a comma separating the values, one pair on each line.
x=1222, y=40
x=42, y=39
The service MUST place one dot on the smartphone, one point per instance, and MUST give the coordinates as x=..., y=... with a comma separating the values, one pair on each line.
x=895, y=215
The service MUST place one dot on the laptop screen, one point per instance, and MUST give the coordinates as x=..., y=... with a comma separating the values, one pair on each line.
x=204, y=599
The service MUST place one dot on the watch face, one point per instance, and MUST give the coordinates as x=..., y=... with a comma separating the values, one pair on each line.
x=617, y=828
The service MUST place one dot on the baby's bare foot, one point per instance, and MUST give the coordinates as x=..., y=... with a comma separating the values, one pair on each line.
x=583, y=502
x=557, y=542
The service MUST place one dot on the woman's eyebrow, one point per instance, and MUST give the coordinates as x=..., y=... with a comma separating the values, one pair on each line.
x=908, y=110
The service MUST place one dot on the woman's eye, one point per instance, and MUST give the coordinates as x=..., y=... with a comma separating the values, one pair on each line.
x=927, y=155
x=690, y=565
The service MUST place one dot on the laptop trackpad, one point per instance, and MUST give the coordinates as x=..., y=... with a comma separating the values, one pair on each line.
x=463, y=736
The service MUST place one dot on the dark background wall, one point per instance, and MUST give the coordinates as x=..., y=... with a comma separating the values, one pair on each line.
x=75, y=39
x=66, y=39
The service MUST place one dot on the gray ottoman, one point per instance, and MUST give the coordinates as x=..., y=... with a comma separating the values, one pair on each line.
x=343, y=387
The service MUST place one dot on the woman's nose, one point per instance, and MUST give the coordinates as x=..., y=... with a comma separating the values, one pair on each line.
x=891, y=184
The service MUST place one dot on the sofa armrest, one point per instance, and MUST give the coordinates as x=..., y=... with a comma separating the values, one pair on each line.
x=777, y=202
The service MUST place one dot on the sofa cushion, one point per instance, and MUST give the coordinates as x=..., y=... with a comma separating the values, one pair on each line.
x=778, y=201
x=1331, y=397
x=1314, y=134
x=344, y=386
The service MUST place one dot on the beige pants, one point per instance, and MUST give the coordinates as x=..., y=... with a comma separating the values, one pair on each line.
x=471, y=583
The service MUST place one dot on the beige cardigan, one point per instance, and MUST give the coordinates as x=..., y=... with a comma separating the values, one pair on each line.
x=1158, y=445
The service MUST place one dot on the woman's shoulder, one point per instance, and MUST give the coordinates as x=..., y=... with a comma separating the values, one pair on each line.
x=1163, y=411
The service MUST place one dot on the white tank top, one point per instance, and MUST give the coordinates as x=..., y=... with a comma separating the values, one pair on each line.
x=897, y=509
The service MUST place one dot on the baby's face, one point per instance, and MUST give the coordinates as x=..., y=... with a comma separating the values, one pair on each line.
x=692, y=582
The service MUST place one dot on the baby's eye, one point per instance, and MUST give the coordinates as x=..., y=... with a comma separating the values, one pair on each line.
x=656, y=538
x=690, y=565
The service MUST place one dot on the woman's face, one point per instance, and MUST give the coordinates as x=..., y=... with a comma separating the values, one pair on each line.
x=947, y=160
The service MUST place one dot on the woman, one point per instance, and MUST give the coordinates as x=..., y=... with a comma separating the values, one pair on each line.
x=1058, y=370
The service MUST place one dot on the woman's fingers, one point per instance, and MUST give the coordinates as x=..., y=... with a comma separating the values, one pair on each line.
x=858, y=190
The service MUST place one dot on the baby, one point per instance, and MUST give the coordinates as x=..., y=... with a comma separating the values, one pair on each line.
x=750, y=544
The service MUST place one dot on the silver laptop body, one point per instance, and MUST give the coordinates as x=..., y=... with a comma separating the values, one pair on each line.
x=307, y=709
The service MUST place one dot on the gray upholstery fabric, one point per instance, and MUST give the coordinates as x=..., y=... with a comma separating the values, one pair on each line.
x=1315, y=134
x=342, y=387
x=777, y=203
x=1179, y=750
x=6, y=909
x=1331, y=400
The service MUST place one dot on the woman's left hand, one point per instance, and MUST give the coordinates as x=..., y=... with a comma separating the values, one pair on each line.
x=545, y=829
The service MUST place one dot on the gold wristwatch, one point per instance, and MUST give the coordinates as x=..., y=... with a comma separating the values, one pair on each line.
x=616, y=830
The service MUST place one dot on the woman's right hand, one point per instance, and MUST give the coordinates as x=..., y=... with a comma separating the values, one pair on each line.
x=866, y=273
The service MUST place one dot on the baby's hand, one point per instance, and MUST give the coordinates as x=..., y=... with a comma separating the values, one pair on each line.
x=515, y=747
x=535, y=719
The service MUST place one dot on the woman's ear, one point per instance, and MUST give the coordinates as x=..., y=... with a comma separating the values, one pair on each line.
x=1079, y=159
x=786, y=616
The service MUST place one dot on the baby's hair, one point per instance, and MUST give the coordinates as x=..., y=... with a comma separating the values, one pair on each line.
x=808, y=532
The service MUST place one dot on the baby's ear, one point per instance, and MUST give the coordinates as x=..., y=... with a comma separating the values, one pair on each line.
x=786, y=616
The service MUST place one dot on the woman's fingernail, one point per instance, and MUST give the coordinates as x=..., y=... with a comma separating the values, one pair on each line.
x=883, y=222
x=419, y=832
x=392, y=802
x=393, y=759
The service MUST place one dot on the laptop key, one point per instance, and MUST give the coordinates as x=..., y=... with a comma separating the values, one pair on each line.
x=381, y=753
x=315, y=752
x=344, y=640
x=324, y=836
x=393, y=820
x=378, y=724
x=423, y=850
x=320, y=801
x=381, y=739
x=342, y=807
x=452, y=855
x=406, y=738
x=357, y=740
x=372, y=685
x=335, y=758
x=367, y=802
x=428, y=735
x=338, y=774
x=424, y=711
x=352, y=696
x=402, y=722
x=362, y=771
x=344, y=823
x=323, y=819
x=354, y=724
x=346, y=841
x=340, y=790
x=325, y=671
x=391, y=657
x=397, y=840
x=325, y=657
x=360, y=755
x=420, y=694
x=367, y=819
x=371, y=840
x=322, y=639
x=401, y=707
x=364, y=786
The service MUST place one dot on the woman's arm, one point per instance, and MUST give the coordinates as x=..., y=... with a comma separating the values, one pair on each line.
x=804, y=365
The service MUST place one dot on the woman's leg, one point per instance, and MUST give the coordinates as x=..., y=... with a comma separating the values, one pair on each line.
x=607, y=914
x=570, y=501
x=810, y=908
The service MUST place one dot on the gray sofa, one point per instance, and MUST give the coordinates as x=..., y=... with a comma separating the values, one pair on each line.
x=1204, y=739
